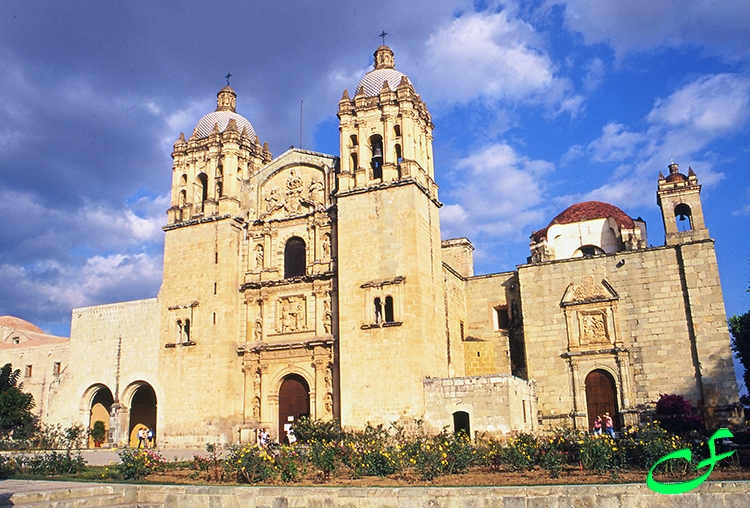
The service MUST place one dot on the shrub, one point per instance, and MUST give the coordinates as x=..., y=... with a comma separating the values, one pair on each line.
x=249, y=464
x=674, y=414
x=444, y=453
x=370, y=452
x=599, y=453
x=306, y=430
x=136, y=464
x=288, y=463
x=98, y=432
x=324, y=457
x=643, y=446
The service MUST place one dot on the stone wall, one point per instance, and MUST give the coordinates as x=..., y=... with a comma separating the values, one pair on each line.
x=495, y=404
x=656, y=329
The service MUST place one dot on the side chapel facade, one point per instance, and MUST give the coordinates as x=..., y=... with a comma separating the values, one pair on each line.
x=316, y=285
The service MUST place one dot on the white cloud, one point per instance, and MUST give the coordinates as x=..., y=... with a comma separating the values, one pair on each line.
x=492, y=56
x=497, y=193
x=638, y=25
x=680, y=127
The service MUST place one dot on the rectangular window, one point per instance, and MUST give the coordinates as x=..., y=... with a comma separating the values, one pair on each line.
x=28, y=371
x=502, y=322
x=56, y=369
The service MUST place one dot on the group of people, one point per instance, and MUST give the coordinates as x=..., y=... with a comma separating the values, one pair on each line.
x=604, y=422
x=145, y=437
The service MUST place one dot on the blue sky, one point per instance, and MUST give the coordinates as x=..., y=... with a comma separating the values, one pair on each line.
x=537, y=105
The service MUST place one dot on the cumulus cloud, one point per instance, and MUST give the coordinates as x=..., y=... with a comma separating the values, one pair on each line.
x=493, y=56
x=680, y=126
x=497, y=194
x=639, y=25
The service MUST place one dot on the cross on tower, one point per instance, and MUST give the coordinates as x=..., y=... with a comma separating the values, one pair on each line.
x=383, y=34
x=228, y=76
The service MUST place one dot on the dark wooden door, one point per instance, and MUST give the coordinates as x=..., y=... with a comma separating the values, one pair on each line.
x=294, y=401
x=601, y=397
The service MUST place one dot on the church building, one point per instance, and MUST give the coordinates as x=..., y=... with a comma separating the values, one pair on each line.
x=318, y=285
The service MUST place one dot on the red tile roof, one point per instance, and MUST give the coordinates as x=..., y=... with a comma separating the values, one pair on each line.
x=588, y=210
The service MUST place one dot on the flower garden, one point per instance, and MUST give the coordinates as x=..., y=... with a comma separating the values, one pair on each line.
x=324, y=454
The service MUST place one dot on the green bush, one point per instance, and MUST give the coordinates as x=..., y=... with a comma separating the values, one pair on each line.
x=306, y=430
x=250, y=464
x=289, y=464
x=599, y=453
x=444, y=453
x=98, y=432
x=136, y=463
x=371, y=452
x=324, y=456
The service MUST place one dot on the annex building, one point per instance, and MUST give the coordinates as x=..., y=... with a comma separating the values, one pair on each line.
x=319, y=285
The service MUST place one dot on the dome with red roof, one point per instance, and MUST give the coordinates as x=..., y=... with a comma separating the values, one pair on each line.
x=18, y=324
x=608, y=230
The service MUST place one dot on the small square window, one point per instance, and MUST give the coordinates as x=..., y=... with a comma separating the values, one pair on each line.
x=28, y=371
x=56, y=369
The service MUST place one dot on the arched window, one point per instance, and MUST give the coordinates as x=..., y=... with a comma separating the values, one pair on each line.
x=219, y=189
x=587, y=251
x=295, y=262
x=378, y=310
x=397, y=130
x=684, y=217
x=203, y=181
x=183, y=180
x=179, y=331
x=389, y=309
x=186, y=331
x=353, y=140
x=354, y=161
x=398, y=153
x=182, y=199
x=376, y=146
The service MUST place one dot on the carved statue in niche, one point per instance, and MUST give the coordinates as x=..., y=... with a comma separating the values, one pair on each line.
x=291, y=309
x=256, y=382
x=258, y=331
x=315, y=193
x=329, y=378
x=593, y=328
x=327, y=303
x=256, y=407
x=292, y=201
x=326, y=246
x=327, y=320
x=259, y=256
x=329, y=403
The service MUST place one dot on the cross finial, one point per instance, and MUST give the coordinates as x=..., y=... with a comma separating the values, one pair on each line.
x=383, y=35
x=229, y=75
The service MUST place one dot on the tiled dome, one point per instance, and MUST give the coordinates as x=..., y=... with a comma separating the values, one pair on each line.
x=206, y=124
x=372, y=83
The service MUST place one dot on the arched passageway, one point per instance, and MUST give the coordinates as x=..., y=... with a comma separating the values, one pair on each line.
x=142, y=413
x=99, y=409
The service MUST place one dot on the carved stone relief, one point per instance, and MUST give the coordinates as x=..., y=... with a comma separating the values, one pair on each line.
x=588, y=290
x=593, y=328
x=291, y=312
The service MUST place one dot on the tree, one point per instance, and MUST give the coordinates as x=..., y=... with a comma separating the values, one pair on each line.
x=15, y=405
x=739, y=327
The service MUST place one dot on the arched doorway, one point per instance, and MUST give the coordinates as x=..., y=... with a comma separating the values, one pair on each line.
x=461, y=423
x=99, y=408
x=142, y=413
x=294, y=402
x=601, y=397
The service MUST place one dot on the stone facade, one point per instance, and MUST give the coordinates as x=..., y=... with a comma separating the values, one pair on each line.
x=316, y=285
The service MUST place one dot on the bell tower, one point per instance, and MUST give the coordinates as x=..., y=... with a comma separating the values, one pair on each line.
x=679, y=198
x=391, y=307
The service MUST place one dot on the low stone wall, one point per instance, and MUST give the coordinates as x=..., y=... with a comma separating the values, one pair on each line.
x=710, y=494
x=23, y=493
